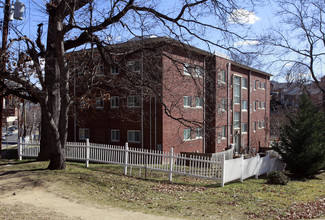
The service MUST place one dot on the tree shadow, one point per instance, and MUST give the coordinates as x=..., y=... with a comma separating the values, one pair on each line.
x=20, y=171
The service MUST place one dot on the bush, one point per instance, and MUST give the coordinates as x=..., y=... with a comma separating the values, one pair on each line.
x=278, y=178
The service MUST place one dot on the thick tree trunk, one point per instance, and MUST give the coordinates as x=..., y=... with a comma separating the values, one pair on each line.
x=55, y=105
x=44, y=153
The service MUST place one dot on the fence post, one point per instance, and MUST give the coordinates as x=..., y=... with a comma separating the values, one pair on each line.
x=223, y=173
x=19, y=148
x=87, y=152
x=258, y=166
x=242, y=168
x=126, y=158
x=171, y=164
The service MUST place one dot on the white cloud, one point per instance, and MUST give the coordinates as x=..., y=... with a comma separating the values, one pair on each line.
x=242, y=16
x=246, y=43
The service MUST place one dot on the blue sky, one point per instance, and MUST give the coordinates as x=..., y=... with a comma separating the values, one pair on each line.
x=253, y=24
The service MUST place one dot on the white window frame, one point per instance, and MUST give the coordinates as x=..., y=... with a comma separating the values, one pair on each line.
x=114, y=135
x=114, y=71
x=114, y=103
x=133, y=102
x=198, y=71
x=99, y=103
x=244, y=127
x=198, y=133
x=82, y=134
x=244, y=83
x=187, y=69
x=244, y=106
x=198, y=102
x=236, y=120
x=187, y=101
x=222, y=76
x=132, y=134
x=223, y=132
x=237, y=88
x=187, y=134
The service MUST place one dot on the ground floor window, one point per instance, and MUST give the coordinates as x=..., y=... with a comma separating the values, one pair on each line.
x=134, y=136
x=115, y=135
x=83, y=133
x=187, y=134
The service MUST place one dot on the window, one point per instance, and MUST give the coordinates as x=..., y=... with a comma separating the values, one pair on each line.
x=83, y=133
x=198, y=133
x=114, y=71
x=187, y=101
x=256, y=84
x=133, y=101
x=187, y=134
x=99, y=103
x=222, y=77
x=260, y=105
x=134, y=136
x=198, y=71
x=223, y=132
x=263, y=85
x=244, y=105
x=114, y=101
x=115, y=135
x=236, y=90
x=254, y=126
x=255, y=105
x=244, y=127
x=198, y=102
x=187, y=69
x=244, y=83
x=134, y=66
x=100, y=70
x=223, y=104
x=236, y=120
x=263, y=105
x=262, y=124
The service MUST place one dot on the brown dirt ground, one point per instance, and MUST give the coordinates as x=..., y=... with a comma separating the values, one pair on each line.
x=25, y=198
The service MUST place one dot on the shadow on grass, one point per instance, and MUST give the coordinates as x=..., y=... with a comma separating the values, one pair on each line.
x=20, y=171
x=16, y=162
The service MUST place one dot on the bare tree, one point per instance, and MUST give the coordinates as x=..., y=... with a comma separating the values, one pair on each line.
x=299, y=40
x=88, y=23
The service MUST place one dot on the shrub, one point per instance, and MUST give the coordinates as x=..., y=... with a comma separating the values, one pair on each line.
x=278, y=178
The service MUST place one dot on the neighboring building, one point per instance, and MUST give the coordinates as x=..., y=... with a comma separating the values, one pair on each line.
x=287, y=94
x=171, y=95
x=10, y=111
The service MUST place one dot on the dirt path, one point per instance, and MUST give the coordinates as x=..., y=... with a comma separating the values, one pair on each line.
x=22, y=198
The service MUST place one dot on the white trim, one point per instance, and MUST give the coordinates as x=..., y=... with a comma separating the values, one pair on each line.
x=119, y=134
x=134, y=131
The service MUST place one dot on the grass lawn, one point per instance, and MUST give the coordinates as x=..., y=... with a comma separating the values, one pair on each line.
x=186, y=197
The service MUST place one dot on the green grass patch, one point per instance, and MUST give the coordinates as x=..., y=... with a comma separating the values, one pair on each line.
x=185, y=197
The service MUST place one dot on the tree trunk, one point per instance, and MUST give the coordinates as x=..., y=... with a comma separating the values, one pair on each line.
x=43, y=154
x=55, y=104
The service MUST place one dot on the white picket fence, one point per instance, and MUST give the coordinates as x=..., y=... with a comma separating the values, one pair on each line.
x=216, y=168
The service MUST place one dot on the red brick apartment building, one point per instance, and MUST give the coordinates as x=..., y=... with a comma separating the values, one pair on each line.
x=157, y=93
